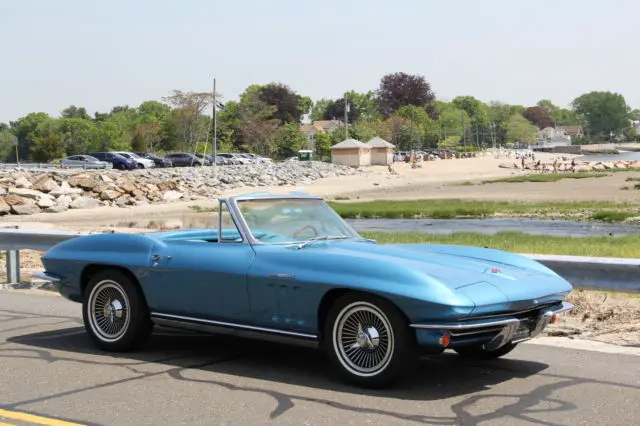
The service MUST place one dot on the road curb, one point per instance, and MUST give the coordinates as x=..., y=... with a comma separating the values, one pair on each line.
x=33, y=284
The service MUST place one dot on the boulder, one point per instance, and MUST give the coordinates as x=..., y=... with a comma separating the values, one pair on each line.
x=25, y=209
x=22, y=182
x=172, y=196
x=84, y=203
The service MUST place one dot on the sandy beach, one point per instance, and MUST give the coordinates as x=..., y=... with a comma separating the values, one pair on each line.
x=435, y=180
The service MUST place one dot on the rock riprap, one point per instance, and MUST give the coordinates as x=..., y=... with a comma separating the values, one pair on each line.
x=25, y=192
x=581, y=166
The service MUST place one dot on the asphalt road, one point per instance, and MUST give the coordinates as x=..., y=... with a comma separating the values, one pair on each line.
x=50, y=374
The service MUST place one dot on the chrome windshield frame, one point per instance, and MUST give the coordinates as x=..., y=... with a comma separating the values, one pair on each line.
x=245, y=229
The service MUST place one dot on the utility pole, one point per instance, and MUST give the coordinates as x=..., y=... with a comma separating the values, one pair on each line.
x=464, y=130
x=214, y=139
x=346, y=118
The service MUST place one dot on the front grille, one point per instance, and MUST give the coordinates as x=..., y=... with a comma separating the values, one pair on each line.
x=530, y=313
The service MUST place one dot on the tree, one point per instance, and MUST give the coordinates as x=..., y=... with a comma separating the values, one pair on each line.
x=322, y=145
x=452, y=121
x=319, y=108
x=75, y=112
x=290, y=107
x=560, y=116
x=401, y=89
x=367, y=108
x=538, y=117
x=519, y=129
x=335, y=111
x=188, y=113
x=604, y=112
x=290, y=140
x=255, y=126
x=138, y=144
x=477, y=111
x=23, y=129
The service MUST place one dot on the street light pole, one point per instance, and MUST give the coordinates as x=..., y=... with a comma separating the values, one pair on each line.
x=214, y=139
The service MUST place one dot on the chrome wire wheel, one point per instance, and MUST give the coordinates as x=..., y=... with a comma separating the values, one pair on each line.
x=108, y=311
x=363, y=339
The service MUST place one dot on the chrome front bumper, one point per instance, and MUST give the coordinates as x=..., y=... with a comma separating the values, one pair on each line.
x=498, y=330
x=46, y=276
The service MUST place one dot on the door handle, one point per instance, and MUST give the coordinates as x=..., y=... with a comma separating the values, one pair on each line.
x=157, y=257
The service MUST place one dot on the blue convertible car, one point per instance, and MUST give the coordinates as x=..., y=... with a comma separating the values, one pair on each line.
x=287, y=267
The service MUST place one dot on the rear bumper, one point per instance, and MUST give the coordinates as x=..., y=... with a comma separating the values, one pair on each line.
x=492, y=332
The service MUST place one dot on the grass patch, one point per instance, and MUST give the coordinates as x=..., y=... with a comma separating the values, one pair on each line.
x=341, y=198
x=465, y=183
x=518, y=242
x=546, y=177
x=451, y=209
x=632, y=169
x=632, y=179
x=612, y=216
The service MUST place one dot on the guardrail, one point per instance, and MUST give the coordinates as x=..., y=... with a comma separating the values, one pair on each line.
x=55, y=166
x=594, y=273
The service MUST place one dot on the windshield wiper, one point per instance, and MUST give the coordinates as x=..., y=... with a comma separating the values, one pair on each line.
x=323, y=238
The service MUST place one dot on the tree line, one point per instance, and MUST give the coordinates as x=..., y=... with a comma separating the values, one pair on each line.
x=266, y=119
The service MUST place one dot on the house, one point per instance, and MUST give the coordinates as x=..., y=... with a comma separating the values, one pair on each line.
x=351, y=152
x=572, y=131
x=381, y=151
x=320, y=126
x=549, y=133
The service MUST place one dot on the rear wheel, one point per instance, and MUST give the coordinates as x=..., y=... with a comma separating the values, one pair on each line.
x=369, y=341
x=477, y=352
x=115, y=313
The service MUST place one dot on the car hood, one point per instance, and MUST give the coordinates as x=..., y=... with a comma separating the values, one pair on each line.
x=455, y=266
x=486, y=276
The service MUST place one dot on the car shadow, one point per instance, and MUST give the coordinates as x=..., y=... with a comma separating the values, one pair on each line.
x=437, y=377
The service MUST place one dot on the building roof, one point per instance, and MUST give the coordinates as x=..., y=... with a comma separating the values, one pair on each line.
x=571, y=130
x=327, y=124
x=350, y=144
x=378, y=142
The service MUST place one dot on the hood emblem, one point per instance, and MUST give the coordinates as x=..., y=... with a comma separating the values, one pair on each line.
x=495, y=271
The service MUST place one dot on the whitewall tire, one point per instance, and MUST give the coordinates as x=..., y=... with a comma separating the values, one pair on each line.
x=369, y=341
x=114, y=311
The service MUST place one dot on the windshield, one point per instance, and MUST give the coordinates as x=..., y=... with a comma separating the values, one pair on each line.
x=292, y=220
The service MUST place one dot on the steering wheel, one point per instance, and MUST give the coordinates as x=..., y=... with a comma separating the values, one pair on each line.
x=302, y=228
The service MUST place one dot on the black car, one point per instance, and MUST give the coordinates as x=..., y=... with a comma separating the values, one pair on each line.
x=118, y=161
x=186, y=159
x=159, y=161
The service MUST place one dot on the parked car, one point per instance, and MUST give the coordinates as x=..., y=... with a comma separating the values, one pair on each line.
x=287, y=267
x=117, y=160
x=220, y=161
x=235, y=159
x=159, y=161
x=84, y=162
x=143, y=163
x=257, y=158
x=186, y=159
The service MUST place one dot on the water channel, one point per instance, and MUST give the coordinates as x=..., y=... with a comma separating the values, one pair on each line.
x=433, y=226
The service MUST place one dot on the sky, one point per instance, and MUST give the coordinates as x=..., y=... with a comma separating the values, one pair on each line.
x=98, y=54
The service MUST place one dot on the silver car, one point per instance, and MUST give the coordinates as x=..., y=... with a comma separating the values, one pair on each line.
x=84, y=162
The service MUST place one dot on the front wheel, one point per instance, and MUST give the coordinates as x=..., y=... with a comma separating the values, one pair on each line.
x=477, y=352
x=115, y=313
x=369, y=341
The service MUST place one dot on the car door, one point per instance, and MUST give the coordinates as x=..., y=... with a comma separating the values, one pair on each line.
x=280, y=297
x=200, y=279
